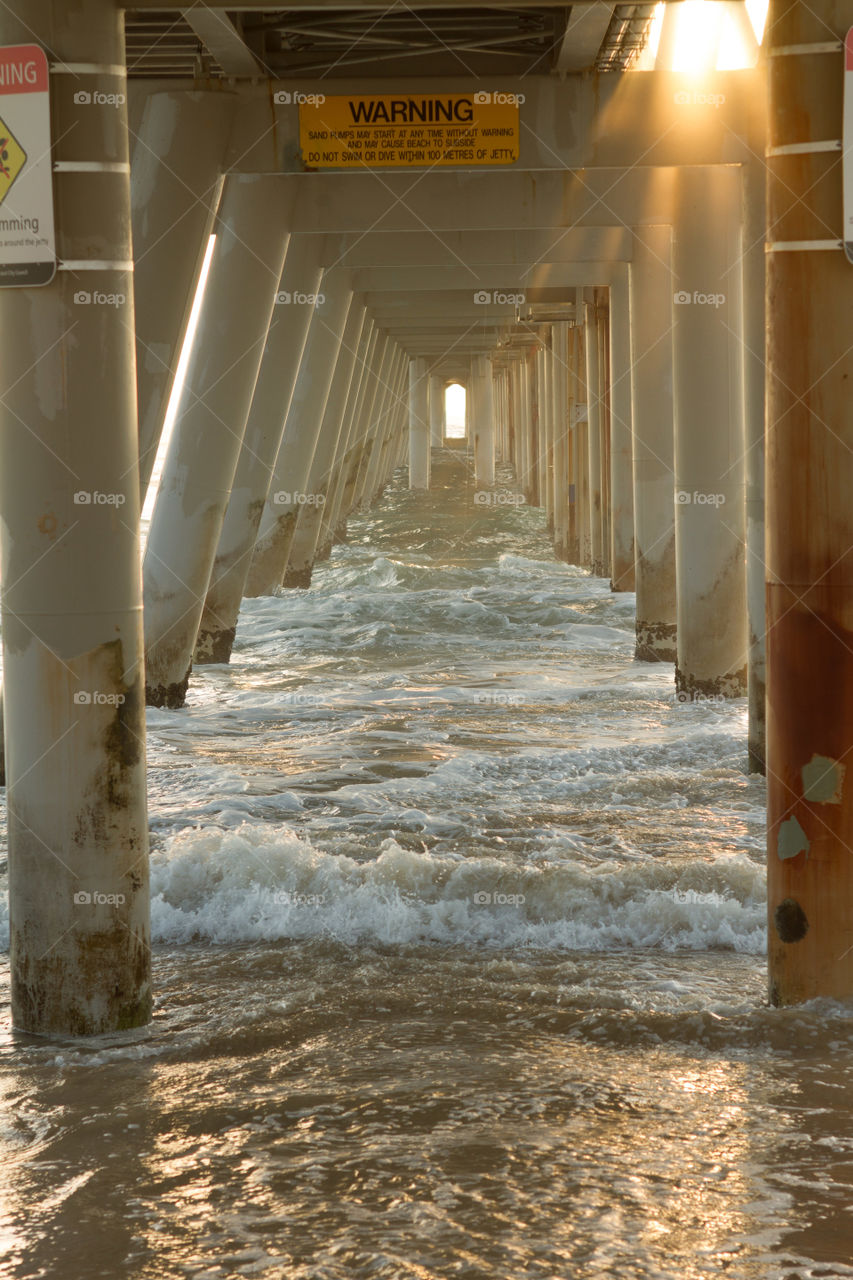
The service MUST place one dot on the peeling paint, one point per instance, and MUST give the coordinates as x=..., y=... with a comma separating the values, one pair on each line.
x=792, y=840
x=823, y=779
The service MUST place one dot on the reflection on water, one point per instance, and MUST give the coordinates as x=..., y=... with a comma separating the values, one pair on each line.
x=460, y=925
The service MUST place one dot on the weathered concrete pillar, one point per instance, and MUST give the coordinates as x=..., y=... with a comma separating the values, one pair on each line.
x=709, y=435
x=531, y=469
x=652, y=420
x=603, y=329
x=383, y=415
x=436, y=411
x=288, y=490
x=546, y=408
x=376, y=426
x=593, y=435
x=69, y=540
x=298, y=293
x=583, y=497
x=541, y=428
x=809, y=520
x=175, y=185
x=333, y=523
x=560, y=428
x=303, y=546
x=484, y=423
x=202, y=456
x=621, y=436
x=419, y=424
x=754, y=222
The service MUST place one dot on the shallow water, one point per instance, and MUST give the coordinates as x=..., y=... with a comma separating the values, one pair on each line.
x=459, y=922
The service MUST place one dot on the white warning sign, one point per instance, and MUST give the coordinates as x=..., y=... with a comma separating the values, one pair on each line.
x=27, y=242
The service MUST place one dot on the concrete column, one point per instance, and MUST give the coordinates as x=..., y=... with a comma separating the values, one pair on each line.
x=419, y=424
x=809, y=523
x=546, y=409
x=484, y=423
x=175, y=185
x=541, y=429
x=376, y=426
x=288, y=488
x=593, y=381
x=383, y=418
x=199, y=467
x=560, y=421
x=69, y=542
x=334, y=513
x=710, y=515
x=436, y=411
x=754, y=214
x=651, y=308
x=602, y=306
x=621, y=436
x=581, y=472
x=303, y=547
x=298, y=293
x=531, y=451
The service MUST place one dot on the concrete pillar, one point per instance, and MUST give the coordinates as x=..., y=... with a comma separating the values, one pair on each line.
x=560, y=427
x=334, y=513
x=651, y=307
x=303, y=546
x=809, y=522
x=754, y=214
x=175, y=185
x=419, y=424
x=621, y=436
x=484, y=423
x=602, y=306
x=288, y=489
x=378, y=388
x=531, y=466
x=298, y=293
x=581, y=446
x=541, y=429
x=709, y=435
x=593, y=435
x=546, y=409
x=199, y=467
x=436, y=411
x=69, y=541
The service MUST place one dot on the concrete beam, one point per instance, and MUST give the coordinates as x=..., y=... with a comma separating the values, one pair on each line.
x=223, y=40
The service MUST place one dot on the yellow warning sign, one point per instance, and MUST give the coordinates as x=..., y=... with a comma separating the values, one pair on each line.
x=408, y=131
x=13, y=157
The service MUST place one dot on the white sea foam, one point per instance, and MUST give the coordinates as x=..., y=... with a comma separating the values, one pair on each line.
x=258, y=882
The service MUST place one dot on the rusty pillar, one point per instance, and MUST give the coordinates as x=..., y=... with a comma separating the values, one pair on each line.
x=809, y=519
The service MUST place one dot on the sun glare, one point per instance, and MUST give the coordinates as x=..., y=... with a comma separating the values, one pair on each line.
x=697, y=36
